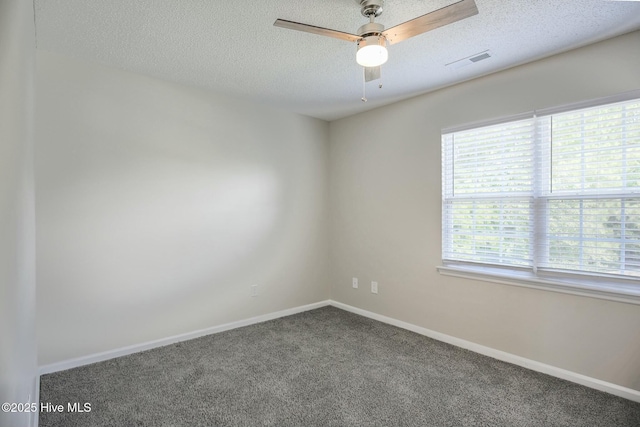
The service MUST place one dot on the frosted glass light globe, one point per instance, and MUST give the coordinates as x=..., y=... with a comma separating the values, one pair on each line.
x=372, y=55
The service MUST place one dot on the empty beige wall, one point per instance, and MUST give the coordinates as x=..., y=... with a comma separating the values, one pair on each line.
x=17, y=223
x=386, y=219
x=158, y=206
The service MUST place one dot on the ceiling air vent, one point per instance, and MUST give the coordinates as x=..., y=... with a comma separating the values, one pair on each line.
x=476, y=57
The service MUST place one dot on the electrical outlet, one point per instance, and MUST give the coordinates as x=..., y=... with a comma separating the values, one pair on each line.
x=254, y=290
x=355, y=282
x=374, y=287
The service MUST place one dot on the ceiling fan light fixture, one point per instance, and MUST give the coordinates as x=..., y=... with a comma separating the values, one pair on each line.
x=372, y=51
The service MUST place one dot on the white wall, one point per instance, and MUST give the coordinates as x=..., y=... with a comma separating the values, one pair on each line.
x=17, y=224
x=385, y=201
x=158, y=206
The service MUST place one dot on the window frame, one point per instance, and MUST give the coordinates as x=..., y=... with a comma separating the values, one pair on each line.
x=604, y=286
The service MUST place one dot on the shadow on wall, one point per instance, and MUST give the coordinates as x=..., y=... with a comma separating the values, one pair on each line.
x=158, y=206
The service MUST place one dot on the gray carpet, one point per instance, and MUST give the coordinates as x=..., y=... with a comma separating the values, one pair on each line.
x=325, y=367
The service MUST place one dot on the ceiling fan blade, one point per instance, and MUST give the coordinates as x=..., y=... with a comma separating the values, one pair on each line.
x=438, y=18
x=316, y=30
x=371, y=73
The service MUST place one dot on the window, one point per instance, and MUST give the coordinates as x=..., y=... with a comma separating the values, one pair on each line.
x=553, y=196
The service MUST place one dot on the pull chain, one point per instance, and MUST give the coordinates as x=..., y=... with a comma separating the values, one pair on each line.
x=364, y=86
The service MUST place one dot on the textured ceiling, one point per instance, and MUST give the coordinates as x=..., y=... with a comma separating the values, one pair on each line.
x=232, y=47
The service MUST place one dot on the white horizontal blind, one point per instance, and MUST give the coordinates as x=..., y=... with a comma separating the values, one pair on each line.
x=594, y=235
x=593, y=203
x=554, y=193
x=487, y=188
x=596, y=150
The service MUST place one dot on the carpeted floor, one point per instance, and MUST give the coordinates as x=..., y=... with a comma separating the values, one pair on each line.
x=325, y=367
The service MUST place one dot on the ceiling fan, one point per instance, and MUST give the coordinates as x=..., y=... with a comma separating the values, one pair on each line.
x=372, y=38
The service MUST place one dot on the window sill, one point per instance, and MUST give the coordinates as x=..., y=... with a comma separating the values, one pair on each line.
x=584, y=287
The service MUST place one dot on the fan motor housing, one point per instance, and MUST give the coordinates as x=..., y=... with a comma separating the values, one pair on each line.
x=370, y=29
x=375, y=39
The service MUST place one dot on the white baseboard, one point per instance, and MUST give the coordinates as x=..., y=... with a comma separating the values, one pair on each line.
x=111, y=354
x=594, y=383
x=597, y=384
